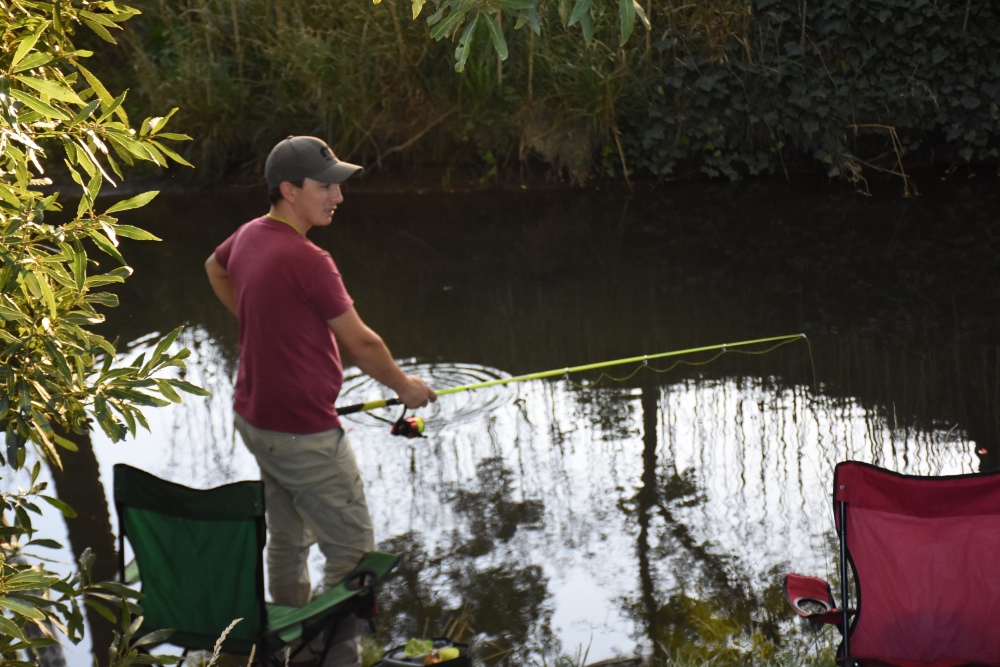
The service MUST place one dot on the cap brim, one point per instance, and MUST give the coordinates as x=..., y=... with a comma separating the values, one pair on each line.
x=337, y=172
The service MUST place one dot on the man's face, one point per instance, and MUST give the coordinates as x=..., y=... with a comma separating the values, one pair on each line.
x=315, y=202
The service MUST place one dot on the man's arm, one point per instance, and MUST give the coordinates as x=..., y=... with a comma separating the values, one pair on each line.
x=218, y=277
x=369, y=353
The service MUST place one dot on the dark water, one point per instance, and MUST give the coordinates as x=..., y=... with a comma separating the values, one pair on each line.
x=584, y=516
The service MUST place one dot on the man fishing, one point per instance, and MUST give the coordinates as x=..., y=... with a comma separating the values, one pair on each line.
x=295, y=315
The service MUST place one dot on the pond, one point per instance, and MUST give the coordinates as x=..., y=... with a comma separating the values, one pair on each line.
x=654, y=508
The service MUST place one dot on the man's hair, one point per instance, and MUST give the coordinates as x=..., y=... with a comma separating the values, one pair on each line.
x=274, y=196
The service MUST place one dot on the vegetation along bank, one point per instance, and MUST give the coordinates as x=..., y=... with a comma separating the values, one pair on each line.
x=716, y=88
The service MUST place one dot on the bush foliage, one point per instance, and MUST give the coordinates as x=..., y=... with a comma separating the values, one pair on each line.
x=837, y=85
x=58, y=377
x=585, y=88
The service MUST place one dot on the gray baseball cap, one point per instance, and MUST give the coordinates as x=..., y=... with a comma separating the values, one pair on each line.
x=295, y=158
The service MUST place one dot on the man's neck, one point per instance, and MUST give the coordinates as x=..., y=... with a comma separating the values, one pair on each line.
x=282, y=213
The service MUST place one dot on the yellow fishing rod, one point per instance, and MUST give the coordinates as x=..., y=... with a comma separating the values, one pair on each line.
x=722, y=348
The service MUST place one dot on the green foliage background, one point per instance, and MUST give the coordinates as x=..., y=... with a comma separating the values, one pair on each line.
x=717, y=88
x=64, y=135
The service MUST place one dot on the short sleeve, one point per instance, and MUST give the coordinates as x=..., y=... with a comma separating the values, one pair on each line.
x=325, y=289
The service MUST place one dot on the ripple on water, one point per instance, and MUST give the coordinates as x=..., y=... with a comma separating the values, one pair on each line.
x=460, y=407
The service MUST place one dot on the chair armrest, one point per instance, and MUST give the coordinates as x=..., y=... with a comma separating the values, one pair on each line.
x=812, y=598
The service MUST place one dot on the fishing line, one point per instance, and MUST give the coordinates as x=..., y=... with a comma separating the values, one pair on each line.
x=722, y=349
x=704, y=362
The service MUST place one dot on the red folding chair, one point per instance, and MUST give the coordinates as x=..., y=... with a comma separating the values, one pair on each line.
x=924, y=557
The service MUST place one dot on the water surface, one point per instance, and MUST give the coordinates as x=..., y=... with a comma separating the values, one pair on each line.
x=649, y=511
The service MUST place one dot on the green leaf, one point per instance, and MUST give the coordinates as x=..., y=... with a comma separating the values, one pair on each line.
x=128, y=231
x=51, y=88
x=7, y=627
x=173, y=155
x=105, y=245
x=108, y=103
x=626, y=17
x=22, y=608
x=587, y=28
x=33, y=61
x=99, y=30
x=46, y=110
x=39, y=287
x=189, y=388
x=28, y=43
x=10, y=313
x=44, y=543
x=464, y=43
x=85, y=112
x=135, y=202
x=100, y=609
x=162, y=347
x=496, y=34
x=79, y=265
x=99, y=18
x=444, y=27
x=579, y=9
x=26, y=580
x=173, y=136
x=8, y=196
x=65, y=443
x=59, y=505
x=155, y=637
x=119, y=590
x=168, y=391
x=152, y=126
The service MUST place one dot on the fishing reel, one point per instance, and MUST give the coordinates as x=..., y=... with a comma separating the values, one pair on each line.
x=408, y=427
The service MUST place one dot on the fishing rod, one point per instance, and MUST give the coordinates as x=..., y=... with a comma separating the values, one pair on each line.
x=413, y=429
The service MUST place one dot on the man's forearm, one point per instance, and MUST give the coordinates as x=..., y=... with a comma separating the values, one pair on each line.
x=374, y=359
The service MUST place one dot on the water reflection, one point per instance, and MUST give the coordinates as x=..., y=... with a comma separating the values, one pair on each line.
x=463, y=406
x=552, y=515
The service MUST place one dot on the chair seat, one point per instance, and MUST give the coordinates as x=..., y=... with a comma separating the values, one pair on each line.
x=286, y=623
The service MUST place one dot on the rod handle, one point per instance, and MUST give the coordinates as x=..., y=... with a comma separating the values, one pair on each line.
x=370, y=405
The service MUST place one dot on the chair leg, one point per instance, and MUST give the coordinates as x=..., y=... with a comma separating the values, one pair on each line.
x=342, y=631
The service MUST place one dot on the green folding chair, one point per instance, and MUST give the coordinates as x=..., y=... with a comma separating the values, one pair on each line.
x=200, y=561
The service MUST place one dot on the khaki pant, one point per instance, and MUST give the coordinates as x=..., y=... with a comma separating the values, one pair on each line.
x=314, y=495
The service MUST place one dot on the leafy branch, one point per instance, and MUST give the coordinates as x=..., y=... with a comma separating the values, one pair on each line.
x=460, y=18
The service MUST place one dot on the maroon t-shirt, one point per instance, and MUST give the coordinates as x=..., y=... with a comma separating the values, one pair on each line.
x=286, y=289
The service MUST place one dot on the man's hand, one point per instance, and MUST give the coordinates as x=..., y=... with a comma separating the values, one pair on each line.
x=416, y=393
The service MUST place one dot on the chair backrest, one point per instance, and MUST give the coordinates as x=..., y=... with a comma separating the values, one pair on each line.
x=924, y=552
x=199, y=554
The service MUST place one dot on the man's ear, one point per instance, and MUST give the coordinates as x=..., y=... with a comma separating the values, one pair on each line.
x=288, y=191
